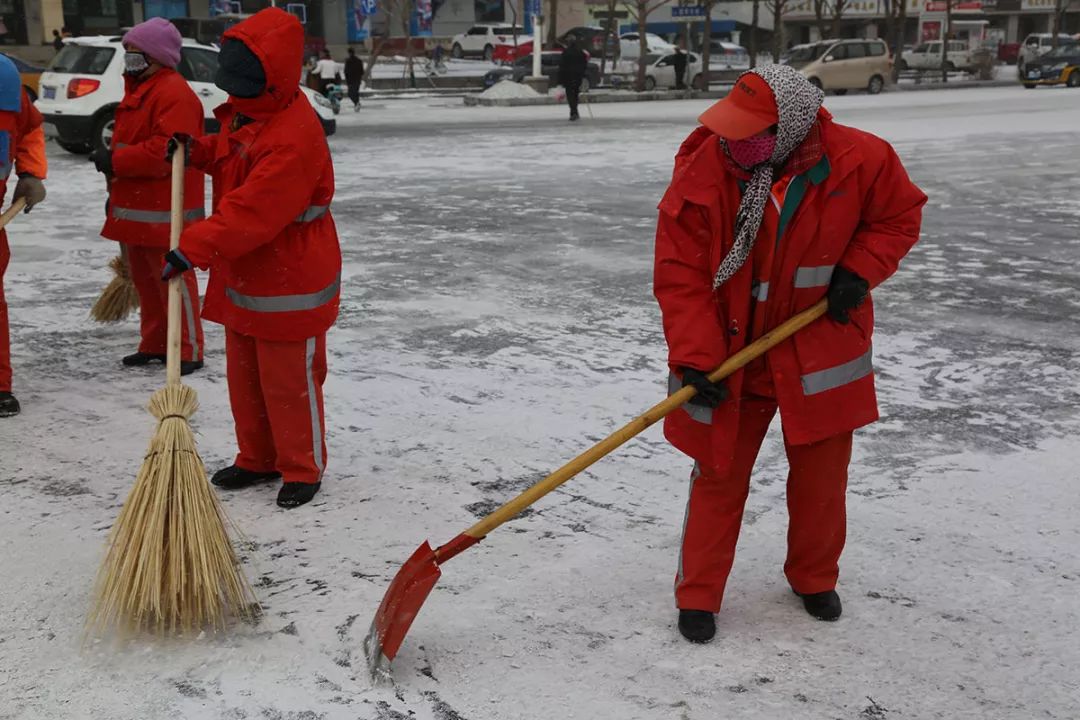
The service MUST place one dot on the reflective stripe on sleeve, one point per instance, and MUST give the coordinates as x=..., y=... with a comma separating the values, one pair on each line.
x=809, y=277
x=834, y=377
x=760, y=291
x=314, y=212
x=699, y=413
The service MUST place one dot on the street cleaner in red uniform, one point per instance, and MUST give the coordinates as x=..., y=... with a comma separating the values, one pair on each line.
x=273, y=254
x=22, y=151
x=772, y=207
x=158, y=103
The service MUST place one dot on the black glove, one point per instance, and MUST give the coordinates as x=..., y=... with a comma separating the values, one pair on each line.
x=175, y=142
x=102, y=158
x=709, y=394
x=175, y=264
x=847, y=291
x=31, y=188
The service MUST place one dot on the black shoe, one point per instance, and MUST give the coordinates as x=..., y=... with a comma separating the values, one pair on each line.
x=823, y=605
x=235, y=478
x=293, y=495
x=697, y=626
x=9, y=406
x=189, y=366
x=140, y=358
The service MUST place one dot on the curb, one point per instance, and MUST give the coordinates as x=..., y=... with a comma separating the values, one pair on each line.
x=958, y=85
x=598, y=99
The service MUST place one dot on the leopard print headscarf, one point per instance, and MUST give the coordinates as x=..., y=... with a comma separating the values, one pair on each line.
x=797, y=103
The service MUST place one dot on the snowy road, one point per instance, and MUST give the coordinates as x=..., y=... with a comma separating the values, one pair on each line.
x=497, y=317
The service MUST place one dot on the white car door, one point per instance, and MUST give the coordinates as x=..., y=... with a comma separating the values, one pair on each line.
x=199, y=66
x=663, y=71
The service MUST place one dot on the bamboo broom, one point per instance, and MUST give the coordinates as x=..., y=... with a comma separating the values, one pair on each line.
x=119, y=298
x=170, y=566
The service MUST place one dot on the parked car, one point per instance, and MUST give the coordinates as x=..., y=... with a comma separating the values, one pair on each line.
x=928, y=56
x=1038, y=44
x=1060, y=66
x=724, y=54
x=591, y=39
x=29, y=74
x=481, y=40
x=549, y=67
x=507, y=54
x=630, y=45
x=1009, y=53
x=84, y=83
x=659, y=71
x=207, y=31
x=842, y=65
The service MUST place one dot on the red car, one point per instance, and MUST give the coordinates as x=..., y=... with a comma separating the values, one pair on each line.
x=507, y=54
x=1009, y=53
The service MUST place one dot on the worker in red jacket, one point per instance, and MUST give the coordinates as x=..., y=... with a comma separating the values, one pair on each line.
x=273, y=254
x=158, y=103
x=772, y=207
x=22, y=149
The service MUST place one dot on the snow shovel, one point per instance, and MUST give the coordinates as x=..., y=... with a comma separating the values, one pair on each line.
x=11, y=212
x=416, y=578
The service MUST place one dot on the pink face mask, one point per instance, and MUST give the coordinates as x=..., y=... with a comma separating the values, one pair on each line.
x=752, y=151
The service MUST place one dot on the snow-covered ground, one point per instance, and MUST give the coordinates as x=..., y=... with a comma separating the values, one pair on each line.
x=497, y=317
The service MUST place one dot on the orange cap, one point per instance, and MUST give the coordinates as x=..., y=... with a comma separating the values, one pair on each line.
x=750, y=108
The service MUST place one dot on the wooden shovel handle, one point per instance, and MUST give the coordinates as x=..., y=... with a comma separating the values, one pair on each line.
x=755, y=349
x=11, y=212
x=176, y=226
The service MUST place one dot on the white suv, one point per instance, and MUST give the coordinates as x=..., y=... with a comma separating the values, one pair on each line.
x=84, y=83
x=483, y=39
x=928, y=56
x=1038, y=44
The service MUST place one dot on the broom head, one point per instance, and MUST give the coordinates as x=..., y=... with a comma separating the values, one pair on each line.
x=170, y=566
x=119, y=298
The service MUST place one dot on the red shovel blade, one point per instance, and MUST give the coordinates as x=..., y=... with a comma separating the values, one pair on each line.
x=403, y=599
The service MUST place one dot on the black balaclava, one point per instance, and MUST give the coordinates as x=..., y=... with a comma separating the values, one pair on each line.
x=239, y=71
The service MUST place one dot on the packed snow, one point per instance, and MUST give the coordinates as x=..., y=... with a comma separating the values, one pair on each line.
x=496, y=319
x=508, y=89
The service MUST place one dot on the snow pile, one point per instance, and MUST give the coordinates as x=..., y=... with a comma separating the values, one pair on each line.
x=508, y=90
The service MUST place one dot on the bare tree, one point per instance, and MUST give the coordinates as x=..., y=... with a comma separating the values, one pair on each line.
x=706, y=45
x=553, y=23
x=609, y=32
x=838, y=8
x=896, y=29
x=754, y=22
x=1060, y=8
x=946, y=31
x=777, y=8
x=820, y=6
x=639, y=11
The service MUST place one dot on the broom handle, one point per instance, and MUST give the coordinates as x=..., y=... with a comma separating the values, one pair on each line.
x=12, y=211
x=754, y=350
x=176, y=226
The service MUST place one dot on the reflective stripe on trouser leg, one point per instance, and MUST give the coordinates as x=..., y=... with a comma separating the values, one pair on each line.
x=189, y=316
x=694, y=475
x=817, y=525
x=5, y=338
x=313, y=408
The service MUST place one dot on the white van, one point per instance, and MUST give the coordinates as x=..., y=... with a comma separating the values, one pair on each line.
x=84, y=83
x=928, y=56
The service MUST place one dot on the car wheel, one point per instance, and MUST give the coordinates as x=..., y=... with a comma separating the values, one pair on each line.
x=489, y=53
x=76, y=148
x=817, y=83
x=1029, y=86
x=456, y=52
x=877, y=83
x=103, y=130
x=650, y=84
x=1074, y=78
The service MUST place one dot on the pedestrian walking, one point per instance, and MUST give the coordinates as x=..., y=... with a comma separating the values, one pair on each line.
x=679, y=61
x=327, y=72
x=573, y=64
x=273, y=254
x=57, y=41
x=22, y=149
x=772, y=207
x=354, y=77
x=157, y=103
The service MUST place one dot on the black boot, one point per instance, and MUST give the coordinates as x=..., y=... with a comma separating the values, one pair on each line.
x=236, y=478
x=140, y=358
x=189, y=366
x=293, y=495
x=823, y=605
x=697, y=626
x=9, y=406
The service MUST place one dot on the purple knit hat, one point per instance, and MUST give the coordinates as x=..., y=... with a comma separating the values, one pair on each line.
x=159, y=39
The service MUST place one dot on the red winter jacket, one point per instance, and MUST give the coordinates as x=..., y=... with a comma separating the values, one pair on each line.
x=270, y=244
x=858, y=209
x=139, y=192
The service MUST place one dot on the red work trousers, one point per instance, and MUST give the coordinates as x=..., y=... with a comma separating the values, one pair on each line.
x=5, y=338
x=816, y=487
x=276, y=393
x=145, y=264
